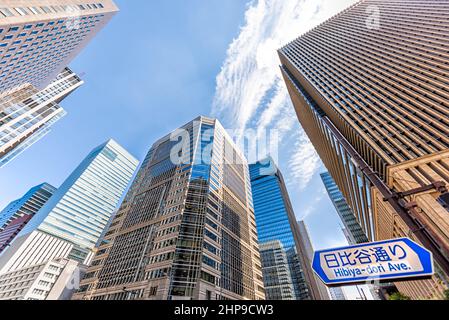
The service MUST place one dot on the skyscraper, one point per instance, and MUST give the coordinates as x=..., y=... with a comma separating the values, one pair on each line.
x=28, y=205
x=307, y=246
x=370, y=89
x=28, y=114
x=276, y=222
x=186, y=230
x=71, y=222
x=39, y=38
x=352, y=229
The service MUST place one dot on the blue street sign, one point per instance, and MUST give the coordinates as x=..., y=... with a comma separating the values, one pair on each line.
x=391, y=260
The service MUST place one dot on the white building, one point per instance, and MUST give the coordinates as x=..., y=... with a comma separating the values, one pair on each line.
x=70, y=224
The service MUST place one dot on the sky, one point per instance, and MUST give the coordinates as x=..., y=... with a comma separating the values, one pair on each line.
x=159, y=64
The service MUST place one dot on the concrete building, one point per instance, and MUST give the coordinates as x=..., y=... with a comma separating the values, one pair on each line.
x=186, y=230
x=54, y=280
x=276, y=221
x=72, y=221
x=28, y=205
x=28, y=114
x=39, y=38
x=370, y=89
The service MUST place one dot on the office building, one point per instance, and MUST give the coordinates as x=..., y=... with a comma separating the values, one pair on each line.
x=39, y=38
x=72, y=221
x=54, y=280
x=28, y=114
x=306, y=244
x=28, y=205
x=370, y=88
x=352, y=229
x=186, y=230
x=276, y=271
x=276, y=221
x=10, y=232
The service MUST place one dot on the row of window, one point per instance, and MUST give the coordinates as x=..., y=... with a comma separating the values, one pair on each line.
x=25, y=11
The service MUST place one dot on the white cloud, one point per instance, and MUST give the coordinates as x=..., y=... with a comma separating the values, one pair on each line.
x=250, y=90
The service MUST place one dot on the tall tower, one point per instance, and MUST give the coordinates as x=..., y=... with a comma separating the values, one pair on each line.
x=75, y=216
x=39, y=38
x=28, y=114
x=186, y=230
x=370, y=87
x=279, y=235
x=352, y=229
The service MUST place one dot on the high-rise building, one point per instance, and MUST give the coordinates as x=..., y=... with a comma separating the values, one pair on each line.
x=9, y=233
x=186, y=230
x=28, y=114
x=370, y=87
x=53, y=280
x=39, y=38
x=276, y=221
x=276, y=271
x=353, y=230
x=306, y=244
x=71, y=222
x=28, y=205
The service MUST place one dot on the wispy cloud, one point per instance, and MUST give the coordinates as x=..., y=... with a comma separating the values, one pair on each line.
x=250, y=91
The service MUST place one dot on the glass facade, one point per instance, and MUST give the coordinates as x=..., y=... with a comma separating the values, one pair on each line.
x=276, y=222
x=28, y=205
x=27, y=115
x=81, y=208
x=354, y=231
x=186, y=230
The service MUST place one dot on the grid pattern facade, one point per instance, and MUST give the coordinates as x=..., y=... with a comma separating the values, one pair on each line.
x=9, y=233
x=185, y=231
x=276, y=221
x=276, y=272
x=27, y=114
x=370, y=89
x=39, y=38
x=352, y=227
x=81, y=208
x=28, y=205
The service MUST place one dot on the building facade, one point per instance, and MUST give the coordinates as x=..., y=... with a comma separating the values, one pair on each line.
x=28, y=205
x=306, y=243
x=276, y=221
x=39, y=38
x=27, y=114
x=186, y=230
x=370, y=89
x=10, y=232
x=54, y=280
x=75, y=216
x=352, y=229
x=276, y=271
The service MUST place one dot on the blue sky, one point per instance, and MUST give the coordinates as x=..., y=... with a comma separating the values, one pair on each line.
x=159, y=64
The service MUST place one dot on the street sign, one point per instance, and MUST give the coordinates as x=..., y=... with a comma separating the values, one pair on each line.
x=391, y=260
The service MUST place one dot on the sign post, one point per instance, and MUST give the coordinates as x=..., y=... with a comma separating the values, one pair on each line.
x=391, y=260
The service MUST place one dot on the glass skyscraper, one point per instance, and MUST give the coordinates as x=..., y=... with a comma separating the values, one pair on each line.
x=186, y=230
x=276, y=224
x=74, y=218
x=353, y=230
